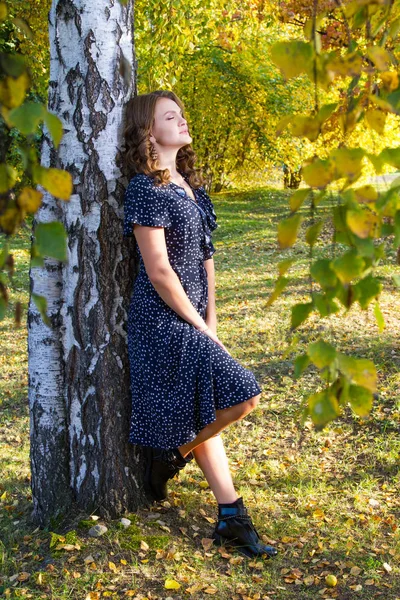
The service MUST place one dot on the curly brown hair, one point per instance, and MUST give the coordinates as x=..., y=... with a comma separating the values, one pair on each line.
x=139, y=118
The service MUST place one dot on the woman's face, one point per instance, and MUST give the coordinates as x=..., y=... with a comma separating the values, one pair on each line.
x=170, y=128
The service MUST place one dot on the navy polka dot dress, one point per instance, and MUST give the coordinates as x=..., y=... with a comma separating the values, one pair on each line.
x=179, y=376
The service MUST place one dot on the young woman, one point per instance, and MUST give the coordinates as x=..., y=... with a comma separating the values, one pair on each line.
x=186, y=387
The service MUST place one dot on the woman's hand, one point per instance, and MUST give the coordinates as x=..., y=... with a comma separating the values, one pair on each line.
x=214, y=337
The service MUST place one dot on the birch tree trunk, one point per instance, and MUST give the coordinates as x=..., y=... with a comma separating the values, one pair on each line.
x=79, y=393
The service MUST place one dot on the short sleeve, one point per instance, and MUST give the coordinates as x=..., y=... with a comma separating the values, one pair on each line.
x=145, y=205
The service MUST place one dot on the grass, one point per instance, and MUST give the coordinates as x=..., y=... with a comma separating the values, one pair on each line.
x=329, y=500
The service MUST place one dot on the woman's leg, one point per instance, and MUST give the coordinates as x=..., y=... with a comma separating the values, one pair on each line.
x=212, y=460
x=225, y=417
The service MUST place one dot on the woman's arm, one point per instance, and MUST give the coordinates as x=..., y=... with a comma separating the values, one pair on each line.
x=151, y=242
x=211, y=314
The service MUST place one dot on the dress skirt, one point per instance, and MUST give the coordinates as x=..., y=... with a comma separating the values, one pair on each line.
x=179, y=376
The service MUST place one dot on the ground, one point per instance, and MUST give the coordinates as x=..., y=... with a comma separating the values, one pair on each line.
x=328, y=500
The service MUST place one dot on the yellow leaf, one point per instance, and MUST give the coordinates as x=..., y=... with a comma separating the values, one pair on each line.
x=319, y=173
x=13, y=90
x=207, y=543
x=203, y=484
x=387, y=567
x=23, y=576
x=348, y=162
x=390, y=80
x=297, y=199
x=349, y=65
x=8, y=177
x=55, y=181
x=304, y=126
x=30, y=199
x=292, y=57
x=130, y=593
x=92, y=596
x=361, y=223
x=379, y=56
x=144, y=546
x=366, y=193
x=3, y=11
x=123, y=561
x=287, y=231
x=112, y=566
x=376, y=120
x=318, y=514
x=3, y=496
x=210, y=590
x=171, y=584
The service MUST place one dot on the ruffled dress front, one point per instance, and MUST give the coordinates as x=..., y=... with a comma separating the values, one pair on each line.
x=179, y=376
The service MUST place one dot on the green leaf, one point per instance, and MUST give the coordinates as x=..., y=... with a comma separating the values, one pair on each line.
x=323, y=408
x=300, y=364
x=8, y=177
x=321, y=270
x=390, y=156
x=396, y=280
x=366, y=290
x=313, y=232
x=3, y=308
x=326, y=111
x=287, y=231
x=321, y=353
x=285, y=265
x=300, y=313
x=279, y=287
x=325, y=306
x=297, y=199
x=379, y=317
x=396, y=241
x=345, y=294
x=365, y=247
x=54, y=126
x=394, y=28
x=348, y=266
x=51, y=240
x=293, y=58
x=358, y=370
x=41, y=304
x=360, y=400
x=27, y=117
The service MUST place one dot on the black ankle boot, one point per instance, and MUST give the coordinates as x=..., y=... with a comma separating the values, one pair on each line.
x=162, y=465
x=235, y=528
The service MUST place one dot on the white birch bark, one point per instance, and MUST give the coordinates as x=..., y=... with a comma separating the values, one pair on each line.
x=79, y=392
